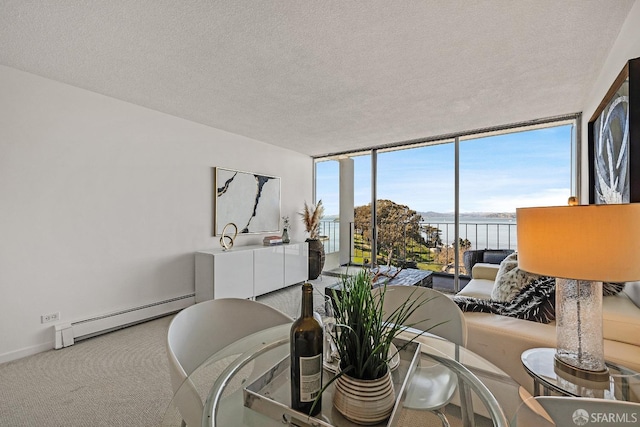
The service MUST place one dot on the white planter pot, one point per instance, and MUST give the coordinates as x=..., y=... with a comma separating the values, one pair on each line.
x=364, y=402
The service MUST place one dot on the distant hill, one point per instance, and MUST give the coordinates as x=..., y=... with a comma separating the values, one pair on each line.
x=505, y=215
x=431, y=214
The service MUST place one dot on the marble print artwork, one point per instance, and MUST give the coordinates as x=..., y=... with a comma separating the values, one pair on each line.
x=251, y=201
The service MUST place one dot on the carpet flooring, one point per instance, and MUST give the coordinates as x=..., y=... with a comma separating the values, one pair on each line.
x=117, y=379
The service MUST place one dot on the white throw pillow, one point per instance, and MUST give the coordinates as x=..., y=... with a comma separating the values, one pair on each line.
x=510, y=279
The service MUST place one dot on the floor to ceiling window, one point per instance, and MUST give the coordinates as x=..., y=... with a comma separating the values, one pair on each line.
x=417, y=187
x=414, y=186
x=328, y=190
x=503, y=172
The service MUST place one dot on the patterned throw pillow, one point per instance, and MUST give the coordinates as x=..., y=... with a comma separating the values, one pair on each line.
x=535, y=302
x=510, y=279
x=610, y=288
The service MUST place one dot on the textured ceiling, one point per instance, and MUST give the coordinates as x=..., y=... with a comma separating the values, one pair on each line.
x=323, y=76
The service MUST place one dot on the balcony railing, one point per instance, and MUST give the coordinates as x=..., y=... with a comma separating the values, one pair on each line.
x=330, y=235
x=429, y=246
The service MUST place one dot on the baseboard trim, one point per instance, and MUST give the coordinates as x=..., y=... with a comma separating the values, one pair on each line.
x=25, y=352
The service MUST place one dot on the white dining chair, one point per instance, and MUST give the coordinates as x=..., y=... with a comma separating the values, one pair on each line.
x=433, y=385
x=551, y=411
x=201, y=330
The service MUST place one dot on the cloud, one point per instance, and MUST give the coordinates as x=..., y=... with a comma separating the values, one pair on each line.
x=509, y=202
x=497, y=174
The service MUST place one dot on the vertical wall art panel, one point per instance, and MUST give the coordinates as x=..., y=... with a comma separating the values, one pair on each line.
x=249, y=200
x=614, y=145
x=611, y=145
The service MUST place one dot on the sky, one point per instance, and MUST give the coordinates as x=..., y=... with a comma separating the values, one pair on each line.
x=497, y=174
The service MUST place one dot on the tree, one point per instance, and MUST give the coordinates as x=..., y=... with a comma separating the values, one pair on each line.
x=464, y=244
x=446, y=256
x=398, y=226
x=432, y=234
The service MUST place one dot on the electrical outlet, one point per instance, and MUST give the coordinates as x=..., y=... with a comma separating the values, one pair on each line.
x=47, y=318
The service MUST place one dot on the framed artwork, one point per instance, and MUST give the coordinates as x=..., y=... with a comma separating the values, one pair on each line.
x=249, y=200
x=614, y=144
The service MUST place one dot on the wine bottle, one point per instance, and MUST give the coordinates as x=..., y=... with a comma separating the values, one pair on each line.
x=306, y=357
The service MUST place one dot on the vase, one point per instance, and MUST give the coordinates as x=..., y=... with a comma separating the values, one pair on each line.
x=316, y=258
x=285, y=236
x=364, y=402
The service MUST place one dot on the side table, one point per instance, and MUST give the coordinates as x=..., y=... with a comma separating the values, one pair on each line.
x=623, y=384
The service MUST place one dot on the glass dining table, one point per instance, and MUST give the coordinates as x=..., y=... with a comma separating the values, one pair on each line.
x=486, y=396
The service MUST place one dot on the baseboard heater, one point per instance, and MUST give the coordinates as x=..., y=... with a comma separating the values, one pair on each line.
x=68, y=333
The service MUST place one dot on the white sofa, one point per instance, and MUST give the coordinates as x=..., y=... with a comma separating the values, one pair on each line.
x=501, y=339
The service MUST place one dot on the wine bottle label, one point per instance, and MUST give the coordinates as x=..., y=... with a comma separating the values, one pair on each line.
x=310, y=377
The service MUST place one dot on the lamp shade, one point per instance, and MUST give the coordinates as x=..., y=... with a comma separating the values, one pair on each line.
x=587, y=242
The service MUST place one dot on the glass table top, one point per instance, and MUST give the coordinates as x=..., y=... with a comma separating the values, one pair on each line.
x=492, y=397
x=623, y=384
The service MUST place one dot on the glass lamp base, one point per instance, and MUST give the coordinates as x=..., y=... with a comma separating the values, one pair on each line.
x=580, y=346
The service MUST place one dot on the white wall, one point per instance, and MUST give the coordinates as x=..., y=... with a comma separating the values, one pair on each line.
x=626, y=47
x=102, y=203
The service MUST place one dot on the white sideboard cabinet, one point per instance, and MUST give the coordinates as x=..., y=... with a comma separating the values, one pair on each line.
x=268, y=269
x=249, y=271
x=296, y=263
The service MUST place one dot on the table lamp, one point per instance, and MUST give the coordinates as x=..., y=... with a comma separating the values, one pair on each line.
x=581, y=246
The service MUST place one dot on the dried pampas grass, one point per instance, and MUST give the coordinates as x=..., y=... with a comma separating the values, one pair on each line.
x=311, y=218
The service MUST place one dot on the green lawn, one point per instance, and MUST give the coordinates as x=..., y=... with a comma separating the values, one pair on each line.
x=417, y=252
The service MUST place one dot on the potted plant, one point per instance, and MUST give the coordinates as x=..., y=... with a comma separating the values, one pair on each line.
x=311, y=216
x=363, y=339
